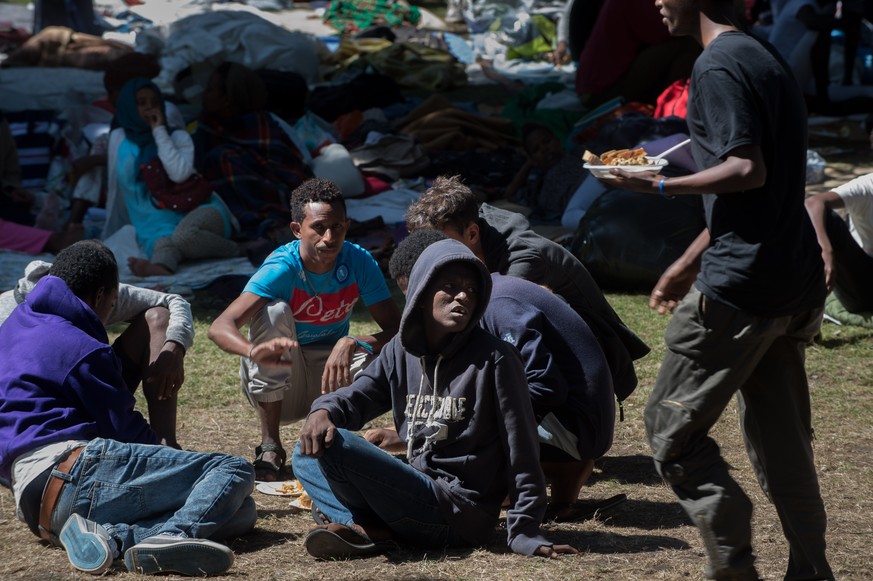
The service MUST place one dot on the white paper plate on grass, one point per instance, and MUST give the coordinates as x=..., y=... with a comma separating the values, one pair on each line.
x=279, y=488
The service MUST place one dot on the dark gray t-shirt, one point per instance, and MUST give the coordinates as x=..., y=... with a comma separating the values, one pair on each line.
x=764, y=258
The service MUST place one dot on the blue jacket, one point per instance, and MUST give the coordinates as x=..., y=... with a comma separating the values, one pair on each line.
x=59, y=377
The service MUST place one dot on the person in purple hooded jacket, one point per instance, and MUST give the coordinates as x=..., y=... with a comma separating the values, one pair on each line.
x=73, y=446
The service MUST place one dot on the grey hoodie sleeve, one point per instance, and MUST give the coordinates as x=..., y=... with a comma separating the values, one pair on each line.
x=527, y=485
x=133, y=300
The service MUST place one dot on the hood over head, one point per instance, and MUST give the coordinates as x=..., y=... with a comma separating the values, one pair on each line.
x=52, y=296
x=434, y=257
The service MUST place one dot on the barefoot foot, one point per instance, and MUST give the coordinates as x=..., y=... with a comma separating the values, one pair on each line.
x=142, y=267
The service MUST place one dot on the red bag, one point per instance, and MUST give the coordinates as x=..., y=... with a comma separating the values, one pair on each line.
x=674, y=100
x=169, y=195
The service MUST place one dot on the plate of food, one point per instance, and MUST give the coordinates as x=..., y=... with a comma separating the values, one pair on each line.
x=632, y=160
x=302, y=502
x=287, y=488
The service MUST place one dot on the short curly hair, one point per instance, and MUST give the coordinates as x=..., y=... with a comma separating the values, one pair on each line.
x=447, y=204
x=409, y=249
x=86, y=267
x=312, y=191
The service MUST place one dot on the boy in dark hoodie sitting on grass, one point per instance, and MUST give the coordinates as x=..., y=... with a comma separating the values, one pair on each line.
x=460, y=401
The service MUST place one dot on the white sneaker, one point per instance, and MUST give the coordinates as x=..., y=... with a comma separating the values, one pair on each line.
x=170, y=554
x=89, y=546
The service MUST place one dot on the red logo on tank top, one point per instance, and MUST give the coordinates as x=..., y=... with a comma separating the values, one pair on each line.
x=323, y=309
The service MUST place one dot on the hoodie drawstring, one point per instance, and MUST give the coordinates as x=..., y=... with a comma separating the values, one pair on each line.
x=416, y=409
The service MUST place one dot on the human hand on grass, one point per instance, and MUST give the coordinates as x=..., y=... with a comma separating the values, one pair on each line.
x=555, y=551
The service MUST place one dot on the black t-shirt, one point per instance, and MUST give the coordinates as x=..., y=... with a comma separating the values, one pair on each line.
x=764, y=258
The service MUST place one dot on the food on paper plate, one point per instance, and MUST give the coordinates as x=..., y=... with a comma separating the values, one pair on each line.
x=303, y=502
x=629, y=160
x=617, y=157
x=625, y=157
x=592, y=158
x=291, y=488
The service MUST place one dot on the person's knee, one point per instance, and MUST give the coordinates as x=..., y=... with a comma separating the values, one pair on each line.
x=157, y=319
x=305, y=467
x=664, y=423
x=247, y=515
x=273, y=320
x=246, y=473
x=242, y=522
x=185, y=237
x=338, y=447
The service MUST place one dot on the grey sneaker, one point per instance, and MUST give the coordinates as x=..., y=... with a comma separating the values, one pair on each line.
x=89, y=546
x=169, y=554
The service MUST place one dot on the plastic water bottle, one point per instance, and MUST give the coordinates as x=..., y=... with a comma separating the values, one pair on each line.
x=815, y=166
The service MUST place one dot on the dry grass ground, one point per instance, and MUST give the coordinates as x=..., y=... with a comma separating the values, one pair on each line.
x=646, y=538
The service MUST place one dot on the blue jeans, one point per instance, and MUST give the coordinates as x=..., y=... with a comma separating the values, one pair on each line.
x=355, y=482
x=137, y=491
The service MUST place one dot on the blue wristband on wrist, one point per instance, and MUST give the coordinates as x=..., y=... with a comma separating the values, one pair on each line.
x=661, y=189
x=366, y=347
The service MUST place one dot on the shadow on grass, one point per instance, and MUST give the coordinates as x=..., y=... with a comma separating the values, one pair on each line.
x=605, y=542
x=608, y=542
x=647, y=515
x=636, y=469
x=260, y=539
x=836, y=342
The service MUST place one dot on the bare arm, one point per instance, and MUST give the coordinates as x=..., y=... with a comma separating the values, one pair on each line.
x=337, y=369
x=386, y=314
x=225, y=332
x=817, y=207
x=676, y=281
x=742, y=169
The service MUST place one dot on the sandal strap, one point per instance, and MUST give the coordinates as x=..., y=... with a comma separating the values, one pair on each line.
x=269, y=447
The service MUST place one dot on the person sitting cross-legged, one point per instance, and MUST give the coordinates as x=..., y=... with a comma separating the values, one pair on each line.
x=459, y=398
x=86, y=469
